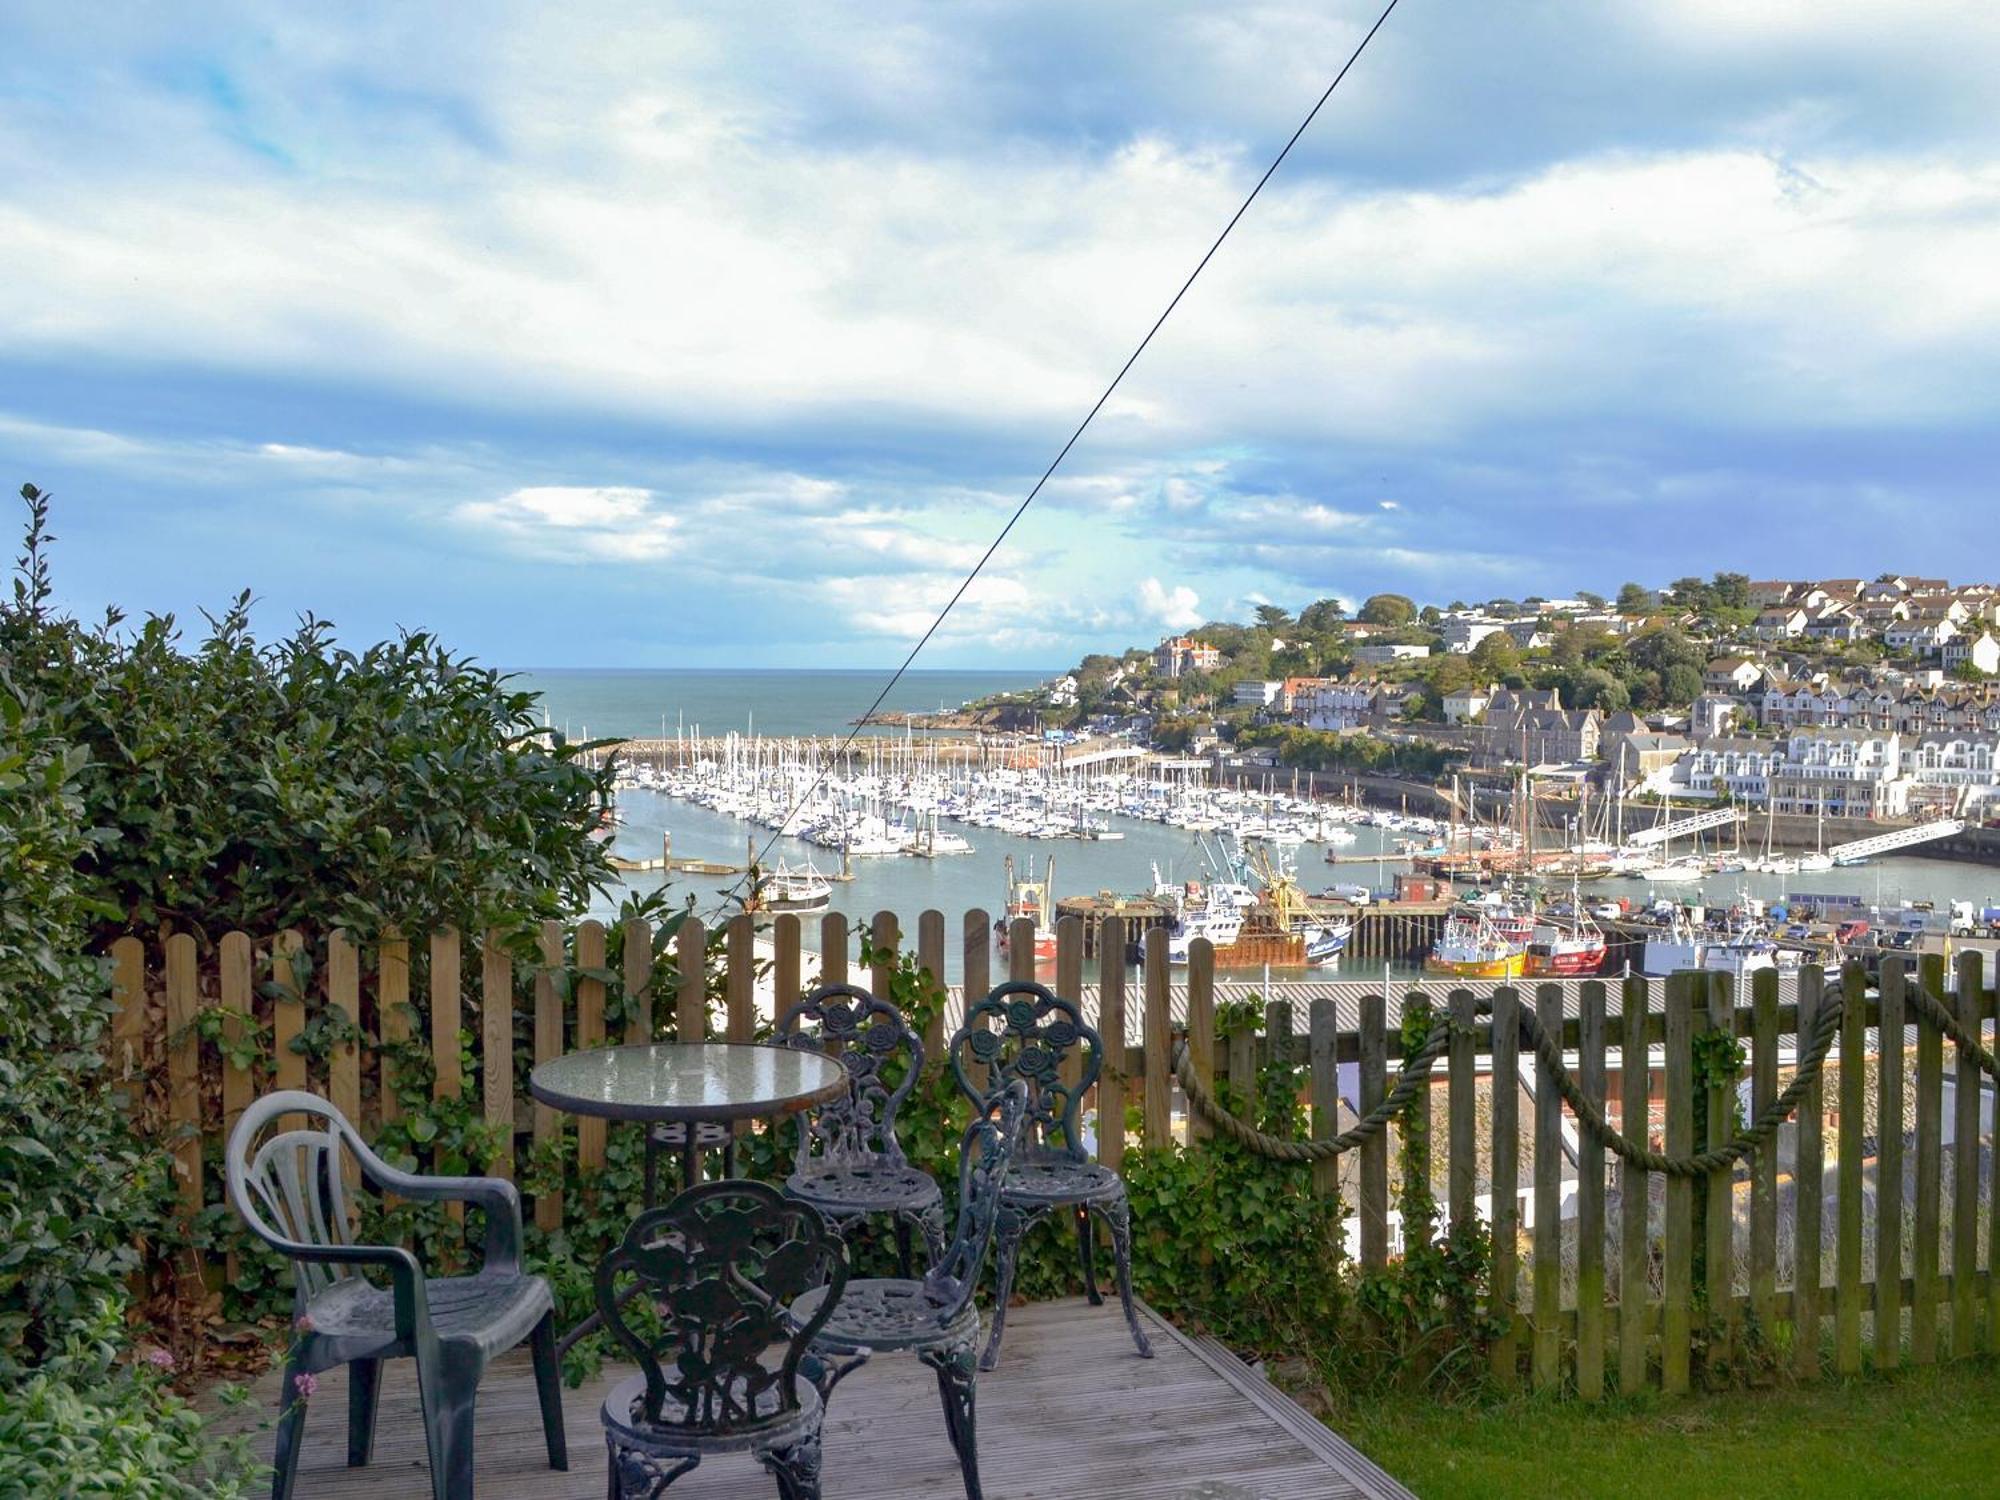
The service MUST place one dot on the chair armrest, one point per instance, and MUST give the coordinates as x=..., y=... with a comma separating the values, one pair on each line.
x=499, y=1198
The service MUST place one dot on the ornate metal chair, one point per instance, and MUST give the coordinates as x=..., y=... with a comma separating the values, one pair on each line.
x=1036, y=1029
x=850, y=1163
x=719, y=1357
x=292, y=1194
x=933, y=1318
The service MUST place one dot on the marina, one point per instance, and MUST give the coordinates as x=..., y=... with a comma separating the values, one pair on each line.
x=1281, y=886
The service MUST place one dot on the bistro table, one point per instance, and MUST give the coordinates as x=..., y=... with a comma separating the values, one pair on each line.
x=693, y=1084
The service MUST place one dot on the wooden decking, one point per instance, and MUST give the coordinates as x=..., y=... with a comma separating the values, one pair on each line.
x=1071, y=1414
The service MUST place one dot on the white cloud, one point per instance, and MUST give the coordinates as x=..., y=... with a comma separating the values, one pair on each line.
x=576, y=523
x=1175, y=608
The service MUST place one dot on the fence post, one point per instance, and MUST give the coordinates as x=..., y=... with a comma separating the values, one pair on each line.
x=1506, y=1181
x=392, y=1006
x=1847, y=1251
x=1809, y=1173
x=238, y=989
x=1590, y=1202
x=1462, y=1110
x=1635, y=1186
x=1719, y=1219
x=1965, y=1166
x=833, y=948
x=1930, y=1164
x=1322, y=1037
x=1677, y=1273
x=288, y=1019
x=496, y=1046
x=1546, y=1353
x=1159, y=1120
x=691, y=981
x=978, y=968
x=184, y=1067
x=930, y=958
x=128, y=1023
x=343, y=1062
x=549, y=1044
x=1201, y=1027
x=637, y=969
x=1764, y=1165
x=590, y=954
x=1111, y=1025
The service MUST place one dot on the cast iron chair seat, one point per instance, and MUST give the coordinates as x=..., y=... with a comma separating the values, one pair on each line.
x=889, y=1313
x=293, y=1191
x=1023, y=1032
x=934, y=1318
x=866, y=1187
x=625, y=1423
x=491, y=1312
x=850, y=1164
x=1052, y=1178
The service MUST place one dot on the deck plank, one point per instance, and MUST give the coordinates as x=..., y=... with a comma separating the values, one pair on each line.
x=1071, y=1414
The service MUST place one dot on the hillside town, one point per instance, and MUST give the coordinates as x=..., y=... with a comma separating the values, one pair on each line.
x=1832, y=698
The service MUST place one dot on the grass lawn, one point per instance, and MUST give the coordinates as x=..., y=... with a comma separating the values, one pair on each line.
x=1926, y=1432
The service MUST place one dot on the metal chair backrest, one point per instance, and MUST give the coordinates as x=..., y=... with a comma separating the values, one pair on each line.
x=883, y=1058
x=1036, y=1030
x=717, y=1268
x=983, y=1153
x=296, y=1178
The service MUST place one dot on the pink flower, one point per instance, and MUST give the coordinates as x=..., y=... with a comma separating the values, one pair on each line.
x=160, y=1359
x=305, y=1385
x=303, y=1323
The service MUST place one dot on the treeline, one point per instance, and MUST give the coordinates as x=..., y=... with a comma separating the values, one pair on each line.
x=1322, y=750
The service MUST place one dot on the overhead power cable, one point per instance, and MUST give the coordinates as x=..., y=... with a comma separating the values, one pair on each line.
x=1056, y=462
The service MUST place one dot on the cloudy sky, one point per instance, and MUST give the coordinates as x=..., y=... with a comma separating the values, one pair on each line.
x=718, y=334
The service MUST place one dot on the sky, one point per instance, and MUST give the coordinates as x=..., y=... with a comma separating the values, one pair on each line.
x=722, y=335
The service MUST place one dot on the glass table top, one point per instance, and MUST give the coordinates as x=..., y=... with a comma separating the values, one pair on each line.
x=695, y=1081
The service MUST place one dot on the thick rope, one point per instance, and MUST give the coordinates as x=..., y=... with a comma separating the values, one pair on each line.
x=1941, y=1016
x=1417, y=1068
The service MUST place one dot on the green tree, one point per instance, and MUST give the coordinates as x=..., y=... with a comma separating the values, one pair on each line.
x=1274, y=618
x=1681, y=684
x=1634, y=599
x=1322, y=617
x=1387, y=609
x=1496, y=657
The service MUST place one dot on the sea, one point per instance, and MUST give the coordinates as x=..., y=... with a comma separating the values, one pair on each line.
x=787, y=703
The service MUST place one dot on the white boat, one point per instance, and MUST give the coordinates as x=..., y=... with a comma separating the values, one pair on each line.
x=1219, y=922
x=786, y=889
x=1670, y=873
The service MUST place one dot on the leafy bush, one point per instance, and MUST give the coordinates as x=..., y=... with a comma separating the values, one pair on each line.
x=302, y=785
x=89, y=1428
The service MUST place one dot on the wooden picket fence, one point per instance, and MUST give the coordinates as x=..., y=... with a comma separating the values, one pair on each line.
x=1568, y=1244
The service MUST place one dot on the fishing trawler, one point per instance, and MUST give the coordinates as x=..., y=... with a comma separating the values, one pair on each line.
x=1472, y=946
x=1035, y=900
x=1565, y=947
x=785, y=889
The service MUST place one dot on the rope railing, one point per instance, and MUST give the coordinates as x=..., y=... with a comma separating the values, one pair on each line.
x=1416, y=1072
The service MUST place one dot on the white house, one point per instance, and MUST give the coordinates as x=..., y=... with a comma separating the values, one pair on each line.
x=1981, y=651
x=1466, y=703
x=1376, y=656
x=1256, y=693
x=1462, y=636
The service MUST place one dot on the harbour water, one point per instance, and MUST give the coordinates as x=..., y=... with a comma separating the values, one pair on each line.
x=823, y=703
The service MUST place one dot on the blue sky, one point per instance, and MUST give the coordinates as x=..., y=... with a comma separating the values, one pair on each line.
x=722, y=334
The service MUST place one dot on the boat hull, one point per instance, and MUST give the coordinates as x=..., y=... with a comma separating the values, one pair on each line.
x=1506, y=966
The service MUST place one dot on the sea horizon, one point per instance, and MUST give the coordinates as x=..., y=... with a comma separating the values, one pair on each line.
x=639, y=702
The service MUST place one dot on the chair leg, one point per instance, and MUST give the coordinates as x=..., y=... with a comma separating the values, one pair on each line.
x=291, y=1432
x=954, y=1366
x=364, y=1387
x=1118, y=1214
x=548, y=1386
x=795, y=1468
x=449, y=1389
x=1086, y=1253
x=1008, y=1251
x=639, y=1476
